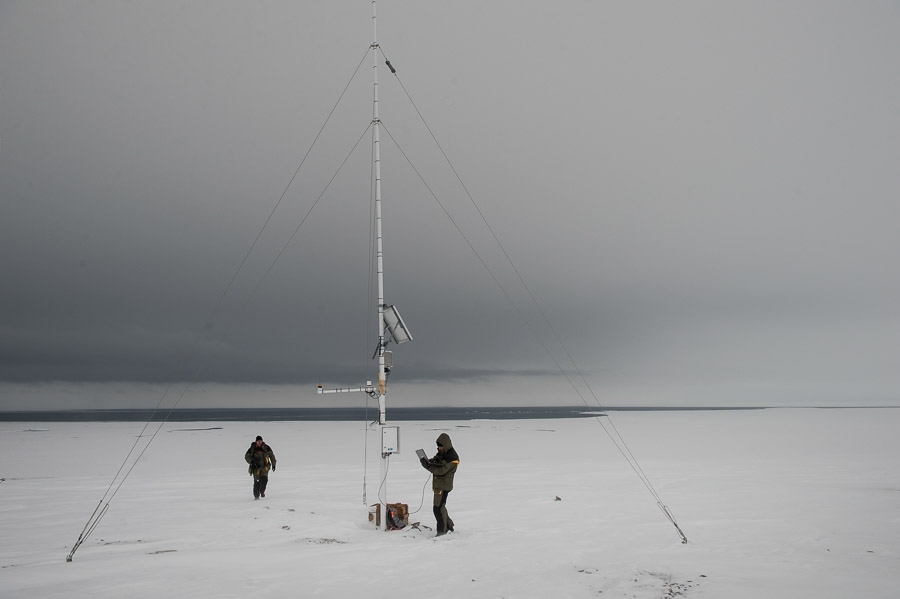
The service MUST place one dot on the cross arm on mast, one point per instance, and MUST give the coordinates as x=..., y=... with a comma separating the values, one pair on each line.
x=367, y=389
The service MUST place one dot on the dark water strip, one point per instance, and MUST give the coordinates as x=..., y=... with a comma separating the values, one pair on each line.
x=323, y=414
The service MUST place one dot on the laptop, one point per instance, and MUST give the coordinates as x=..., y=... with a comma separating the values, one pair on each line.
x=421, y=453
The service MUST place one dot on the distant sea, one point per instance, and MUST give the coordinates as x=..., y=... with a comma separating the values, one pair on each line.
x=322, y=414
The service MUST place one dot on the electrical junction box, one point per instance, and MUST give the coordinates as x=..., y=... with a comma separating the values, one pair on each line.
x=390, y=439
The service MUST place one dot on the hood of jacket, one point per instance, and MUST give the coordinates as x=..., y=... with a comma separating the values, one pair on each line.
x=444, y=439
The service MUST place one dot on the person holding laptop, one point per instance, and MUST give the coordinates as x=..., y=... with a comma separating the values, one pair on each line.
x=442, y=467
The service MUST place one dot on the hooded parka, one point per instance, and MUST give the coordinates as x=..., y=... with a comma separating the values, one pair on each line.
x=443, y=465
x=260, y=459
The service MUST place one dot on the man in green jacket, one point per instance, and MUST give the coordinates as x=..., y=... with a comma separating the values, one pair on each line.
x=442, y=467
x=260, y=456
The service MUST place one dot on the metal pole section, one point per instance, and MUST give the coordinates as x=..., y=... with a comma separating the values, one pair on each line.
x=379, y=253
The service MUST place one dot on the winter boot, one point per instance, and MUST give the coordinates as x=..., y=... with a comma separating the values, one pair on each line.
x=256, y=485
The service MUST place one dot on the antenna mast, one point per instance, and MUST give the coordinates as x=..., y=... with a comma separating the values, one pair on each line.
x=379, y=251
x=390, y=326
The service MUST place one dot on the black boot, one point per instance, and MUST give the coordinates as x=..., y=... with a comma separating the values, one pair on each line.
x=256, y=488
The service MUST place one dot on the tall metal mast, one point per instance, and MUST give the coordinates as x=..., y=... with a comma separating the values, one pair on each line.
x=390, y=327
x=379, y=251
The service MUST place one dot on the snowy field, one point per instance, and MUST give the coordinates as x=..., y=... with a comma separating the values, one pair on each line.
x=775, y=503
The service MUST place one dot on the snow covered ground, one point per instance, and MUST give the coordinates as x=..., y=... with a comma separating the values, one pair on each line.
x=775, y=503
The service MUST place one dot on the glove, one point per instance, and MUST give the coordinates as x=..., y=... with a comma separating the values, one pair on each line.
x=273, y=467
x=424, y=462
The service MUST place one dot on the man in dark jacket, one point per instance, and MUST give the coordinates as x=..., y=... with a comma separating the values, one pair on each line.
x=260, y=457
x=442, y=467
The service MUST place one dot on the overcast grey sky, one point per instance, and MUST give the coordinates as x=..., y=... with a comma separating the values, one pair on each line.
x=703, y=197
